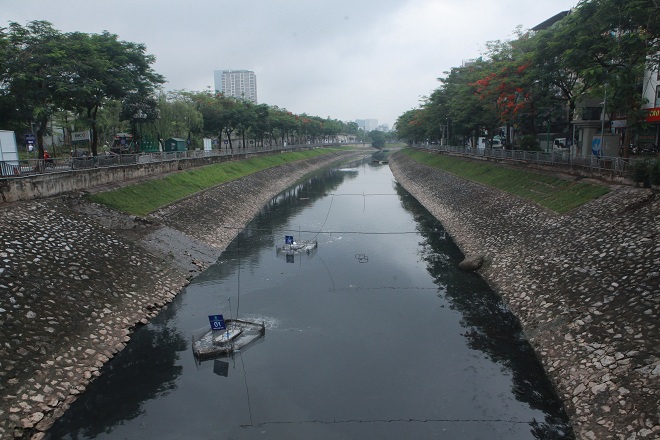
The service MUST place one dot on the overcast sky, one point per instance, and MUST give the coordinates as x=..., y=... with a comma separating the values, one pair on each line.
x=346, y=59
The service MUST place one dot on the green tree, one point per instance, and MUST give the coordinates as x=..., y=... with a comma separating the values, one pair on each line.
x=330, y=128
x=36, y=73
x=434, y=115
x=560, y=65
x=210, y=107
x=283, y=123
x=8, y=106
x=218, y=113
x=244, y=117
x=601, y=48
x=627, y=40
x=139, y=108
x=178, y=116
x=350, y=128
x=44, y=71
x=106, y=69
x=377, y=139
x=261, y=126
x=409, y=127
x=107, y=121
x=470, y=114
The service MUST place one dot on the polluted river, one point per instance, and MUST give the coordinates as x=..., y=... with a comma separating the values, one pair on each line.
x=372, y=334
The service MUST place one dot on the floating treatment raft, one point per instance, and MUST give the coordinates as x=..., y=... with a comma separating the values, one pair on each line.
x=208, y=344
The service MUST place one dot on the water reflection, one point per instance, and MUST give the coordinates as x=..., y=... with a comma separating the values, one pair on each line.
x=490, y=327
x=267, y=229
x=377, y=335
x=146, y=369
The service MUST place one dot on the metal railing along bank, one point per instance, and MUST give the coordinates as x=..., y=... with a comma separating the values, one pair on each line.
x=21, y=168
x=560, y=158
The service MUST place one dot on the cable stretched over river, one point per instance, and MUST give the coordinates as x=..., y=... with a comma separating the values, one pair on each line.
x=322, y=232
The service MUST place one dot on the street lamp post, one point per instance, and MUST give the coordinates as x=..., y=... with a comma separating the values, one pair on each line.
x=447, y=120
x=602, y=124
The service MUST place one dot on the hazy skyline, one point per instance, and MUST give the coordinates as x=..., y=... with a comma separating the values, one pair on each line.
x=343, y=59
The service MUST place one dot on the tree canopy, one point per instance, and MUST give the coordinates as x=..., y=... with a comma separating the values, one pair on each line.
x=377, y=139
x=97, y=82
x=538, y=79
x=45, y=71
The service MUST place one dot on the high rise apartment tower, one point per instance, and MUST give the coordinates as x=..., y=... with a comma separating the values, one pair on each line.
x=240, y=84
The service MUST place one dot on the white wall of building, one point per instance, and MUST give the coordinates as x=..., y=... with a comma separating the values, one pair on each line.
x=241, y=84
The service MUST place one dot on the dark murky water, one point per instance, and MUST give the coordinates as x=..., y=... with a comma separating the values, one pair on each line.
x=376, y=335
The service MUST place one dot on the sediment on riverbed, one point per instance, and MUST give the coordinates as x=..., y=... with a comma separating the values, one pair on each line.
x=585, y=286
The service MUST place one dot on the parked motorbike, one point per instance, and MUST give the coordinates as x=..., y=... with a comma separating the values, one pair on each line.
x=650, y=150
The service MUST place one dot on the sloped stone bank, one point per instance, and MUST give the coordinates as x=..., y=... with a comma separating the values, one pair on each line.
x=71, y=292
x=76, y=279
x=585, y=286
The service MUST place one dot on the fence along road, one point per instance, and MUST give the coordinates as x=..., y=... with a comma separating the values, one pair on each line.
x=614, y=166
x=21, y=168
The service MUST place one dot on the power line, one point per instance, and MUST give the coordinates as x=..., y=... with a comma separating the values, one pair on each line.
x=326, y=218
x=358, y=289
x=360, y=194
x=411, y=420
x=318, y=232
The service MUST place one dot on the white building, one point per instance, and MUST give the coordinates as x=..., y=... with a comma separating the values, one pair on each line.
x=367, y=124
x=241, y=84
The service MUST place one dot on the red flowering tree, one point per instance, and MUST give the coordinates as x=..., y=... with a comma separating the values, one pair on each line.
x=409, y=127
x=508, y=87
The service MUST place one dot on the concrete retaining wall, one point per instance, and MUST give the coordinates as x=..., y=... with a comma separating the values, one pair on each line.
x=60, y=182
x=54, y=183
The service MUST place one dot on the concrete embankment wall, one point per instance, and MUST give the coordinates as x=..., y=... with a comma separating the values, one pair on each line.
x=53, y=183
x=585, y=286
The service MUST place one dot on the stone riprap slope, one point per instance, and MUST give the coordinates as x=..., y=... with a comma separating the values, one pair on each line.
x=71, y=290
x=212, y=217
x=585, y=286
x=77, y=278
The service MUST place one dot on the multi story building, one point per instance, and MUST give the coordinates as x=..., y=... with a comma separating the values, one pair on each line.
x=241, y=84
x=597, y=132
x=367, y=124
x=649, y=133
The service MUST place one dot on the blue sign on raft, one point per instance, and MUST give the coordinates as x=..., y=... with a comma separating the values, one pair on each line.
x=217, y=322
x=288, y=239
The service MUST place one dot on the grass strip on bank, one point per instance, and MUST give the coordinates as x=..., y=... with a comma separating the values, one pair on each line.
x=145, y=197
x=554, y=193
